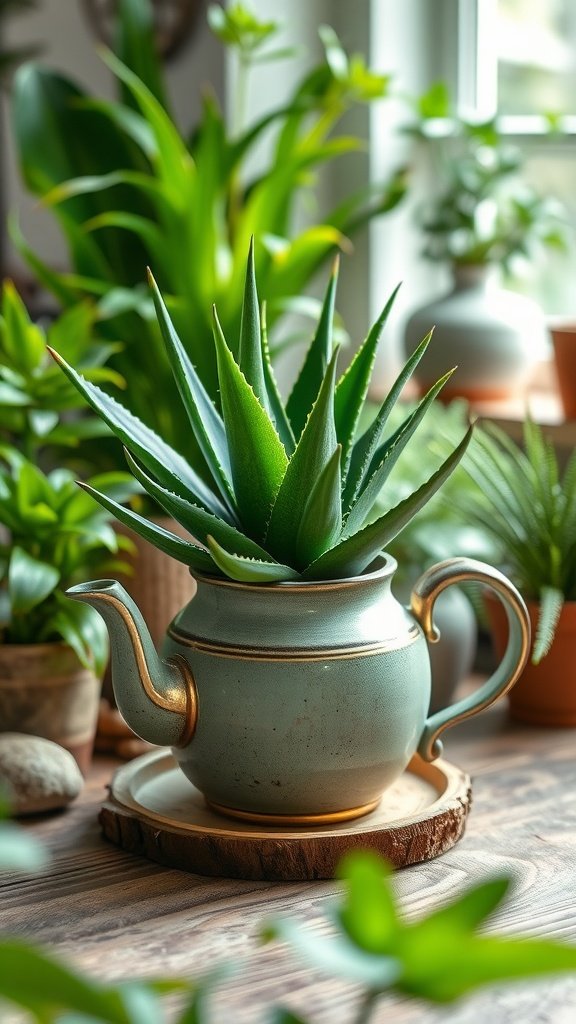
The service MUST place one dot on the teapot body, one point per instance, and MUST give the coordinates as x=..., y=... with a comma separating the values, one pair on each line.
x=312, y=697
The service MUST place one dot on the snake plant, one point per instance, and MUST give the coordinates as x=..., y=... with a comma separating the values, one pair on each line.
x=286, y=489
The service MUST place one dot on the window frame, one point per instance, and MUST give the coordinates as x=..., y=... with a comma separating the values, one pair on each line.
x=477, y=78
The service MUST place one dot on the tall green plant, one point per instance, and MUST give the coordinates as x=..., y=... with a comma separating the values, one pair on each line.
x=130, y=189
x=290, y=487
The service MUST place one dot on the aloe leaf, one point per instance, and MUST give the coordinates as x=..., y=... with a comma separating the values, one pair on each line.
x=309, y=380
x=249, y=570
x=257, y=457
x=351, y=556
x=386, y=458
x=196, y=520
x=275, y=404
x=205, y=420
x=182, y=550
x=159, y=458
x=364, y=449
x=314, y=449
x=250, y=344
x=352, y=387
x=321, y=521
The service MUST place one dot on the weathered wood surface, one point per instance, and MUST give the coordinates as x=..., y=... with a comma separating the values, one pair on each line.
x=117, y=915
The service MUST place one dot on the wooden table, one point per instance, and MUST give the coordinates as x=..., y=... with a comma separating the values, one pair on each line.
x=119, y=916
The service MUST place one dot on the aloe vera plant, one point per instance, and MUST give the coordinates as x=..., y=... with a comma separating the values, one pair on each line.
x=287, y=488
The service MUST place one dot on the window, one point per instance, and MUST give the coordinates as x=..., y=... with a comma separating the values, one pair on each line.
x=517, y=59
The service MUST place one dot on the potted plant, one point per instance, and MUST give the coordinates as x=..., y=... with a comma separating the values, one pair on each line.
x=485, y=218
x=526, y=505
x=51, y=658
x=130, y=189
x=295, y=686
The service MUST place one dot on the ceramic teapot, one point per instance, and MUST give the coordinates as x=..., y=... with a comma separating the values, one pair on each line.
x=296, y=702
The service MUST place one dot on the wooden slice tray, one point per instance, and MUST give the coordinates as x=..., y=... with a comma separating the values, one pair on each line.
x=154, y=811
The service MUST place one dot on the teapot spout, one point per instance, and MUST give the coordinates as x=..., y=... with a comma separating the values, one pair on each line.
x=156, y=697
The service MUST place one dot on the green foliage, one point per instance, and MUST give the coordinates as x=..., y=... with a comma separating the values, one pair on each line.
x=440, y=958
x=38, y=406
x=438, y=531
x=527, y=507
x=280, y=504
x=484, y=211
x=53, y=536
x=131, y=190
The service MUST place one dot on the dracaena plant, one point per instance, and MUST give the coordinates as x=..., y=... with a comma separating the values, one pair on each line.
x=129, y=188
x=287, y=488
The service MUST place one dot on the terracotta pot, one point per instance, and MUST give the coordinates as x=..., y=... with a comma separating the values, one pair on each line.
x=45, y=691
x=545, y=694
x=564, y=341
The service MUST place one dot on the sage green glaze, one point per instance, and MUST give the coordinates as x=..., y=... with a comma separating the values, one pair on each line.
x=312, y=697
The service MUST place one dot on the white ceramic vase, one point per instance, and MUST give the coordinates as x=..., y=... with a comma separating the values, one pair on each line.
x=492, y=335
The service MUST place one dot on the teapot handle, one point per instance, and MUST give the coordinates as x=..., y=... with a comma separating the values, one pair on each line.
x=426, y=590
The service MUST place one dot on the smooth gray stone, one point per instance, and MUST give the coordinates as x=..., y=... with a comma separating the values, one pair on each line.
x=37, y=774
